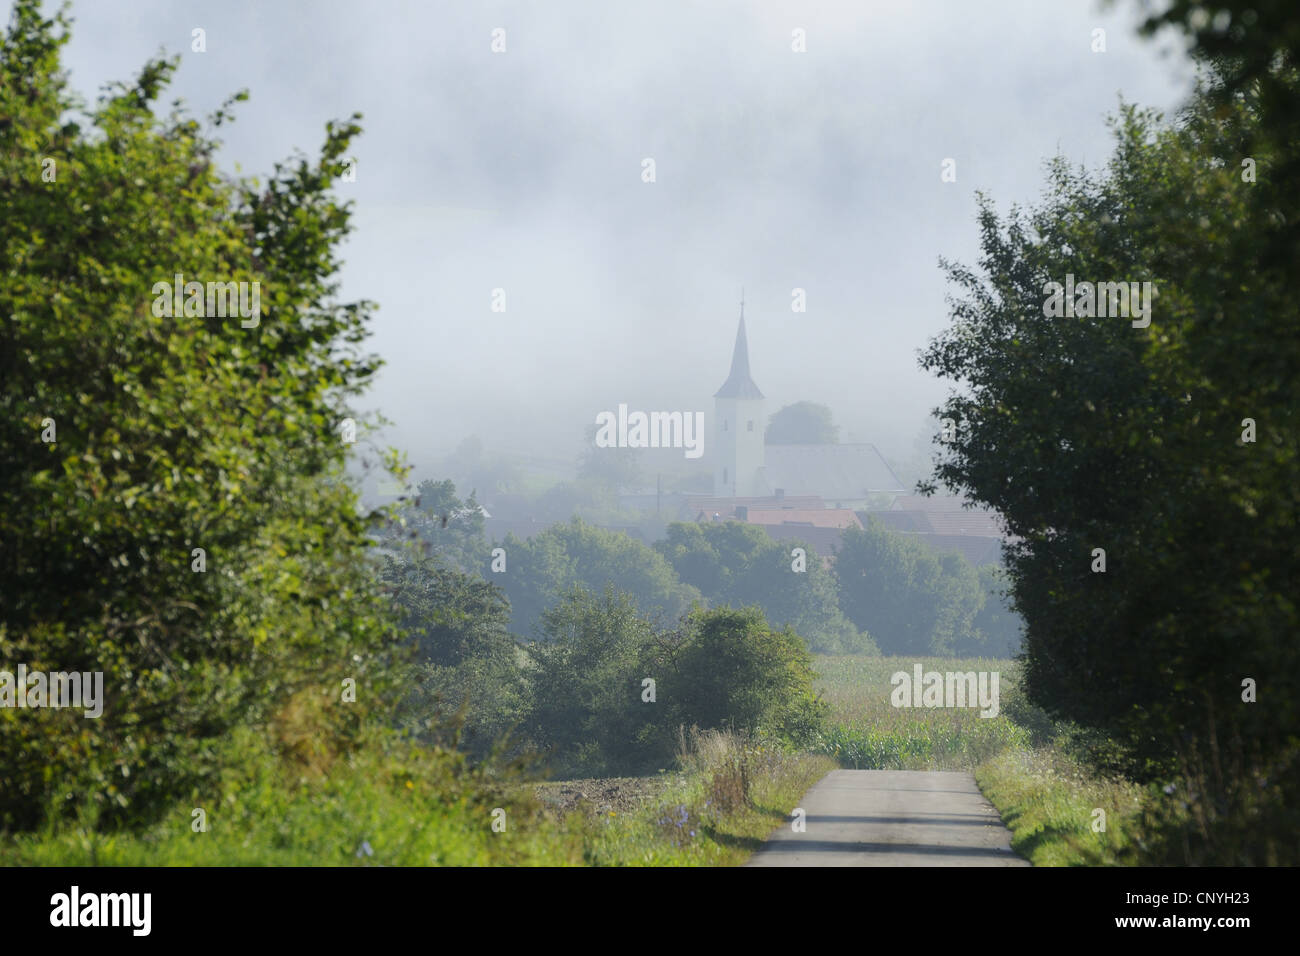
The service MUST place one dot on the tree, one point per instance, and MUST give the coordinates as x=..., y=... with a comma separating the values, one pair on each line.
x=738, y=564
x=578, y=554
x=803, y=423
x=443, y=524
x=173, y=503
x=998, y=626
x=959, y=600
x=910, y=600
x=586, y=677
x=466, y=658
x=1092, y=436
x=737, y=671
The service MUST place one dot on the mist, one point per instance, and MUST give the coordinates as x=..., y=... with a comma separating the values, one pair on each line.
x=774, y=170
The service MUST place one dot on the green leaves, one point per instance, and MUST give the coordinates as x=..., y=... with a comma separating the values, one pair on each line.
x=1088, y=433
x=174, y=433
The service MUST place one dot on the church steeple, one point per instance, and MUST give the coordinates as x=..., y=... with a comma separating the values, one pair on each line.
x=738, y=383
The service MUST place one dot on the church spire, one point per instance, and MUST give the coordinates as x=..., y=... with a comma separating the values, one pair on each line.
x=738, y=383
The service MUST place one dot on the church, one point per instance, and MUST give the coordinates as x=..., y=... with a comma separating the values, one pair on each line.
x=745, y=466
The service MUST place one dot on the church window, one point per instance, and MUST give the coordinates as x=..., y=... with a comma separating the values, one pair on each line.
x=751, y=425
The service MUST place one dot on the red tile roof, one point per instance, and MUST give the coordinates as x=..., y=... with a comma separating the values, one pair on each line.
x=819, y=518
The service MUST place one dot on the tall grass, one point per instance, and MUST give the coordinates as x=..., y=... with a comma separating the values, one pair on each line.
x=729, y=794
x=866, y=732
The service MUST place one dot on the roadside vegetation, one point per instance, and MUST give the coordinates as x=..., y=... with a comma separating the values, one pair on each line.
x=292, y=679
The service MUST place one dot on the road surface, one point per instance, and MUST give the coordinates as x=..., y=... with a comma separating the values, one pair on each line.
x=893, y=818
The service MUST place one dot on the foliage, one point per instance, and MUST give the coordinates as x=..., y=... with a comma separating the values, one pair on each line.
x=803, y=423
x=909, y=599
x=442, y=524
x=1088, y=433
x=592, y=710
x=585, y=679
x=171, y=434
x=389, y=804
x=563, y=556
x=997, y=625
x=734, y=670
x=466, y=688
x=737, y=564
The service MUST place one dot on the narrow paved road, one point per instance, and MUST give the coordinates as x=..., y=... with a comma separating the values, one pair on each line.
x=893, y=818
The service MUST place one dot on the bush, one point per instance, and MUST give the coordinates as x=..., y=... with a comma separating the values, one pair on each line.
x=718, y=669
x=136, y=443
x=737, y=672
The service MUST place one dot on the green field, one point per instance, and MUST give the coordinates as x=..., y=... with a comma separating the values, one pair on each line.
x=866, y=732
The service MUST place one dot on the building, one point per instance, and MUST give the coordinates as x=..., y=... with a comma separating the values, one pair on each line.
x=745, y=466
x=739, y=428
x=945, y=524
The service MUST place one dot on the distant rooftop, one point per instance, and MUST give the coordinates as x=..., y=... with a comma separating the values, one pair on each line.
x=835, y=472
x=816, y=518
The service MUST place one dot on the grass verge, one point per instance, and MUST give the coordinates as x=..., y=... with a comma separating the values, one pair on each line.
x=728, y=797
x=1059, y=812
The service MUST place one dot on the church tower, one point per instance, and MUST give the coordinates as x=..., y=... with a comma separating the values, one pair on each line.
x=739, y=427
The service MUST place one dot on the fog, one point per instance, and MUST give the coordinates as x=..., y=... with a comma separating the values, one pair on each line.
x=774, y=170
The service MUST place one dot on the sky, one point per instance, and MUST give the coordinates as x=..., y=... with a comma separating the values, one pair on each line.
x=774, y=170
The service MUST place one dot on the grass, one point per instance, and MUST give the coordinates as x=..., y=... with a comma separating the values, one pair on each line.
x=866, y=732
x=1050, y=803
x=403, y=805
x=384, y=806
x=729, y=795
x=1046, y=797
x=396, y=804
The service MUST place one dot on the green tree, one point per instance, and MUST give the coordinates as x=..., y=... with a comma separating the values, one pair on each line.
x=172, y=497
x=803, y=423
x=1087, y=433
x=999, y=627
x=586, y=678
x=442, y=524
x=883, y=579
x=737, y=671
x=465, y=679
x=738, y=564
x=959, y=600
x=578, y=554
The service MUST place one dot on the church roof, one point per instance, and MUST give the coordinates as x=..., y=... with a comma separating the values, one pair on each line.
x=836, y=472
x=738, y=383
